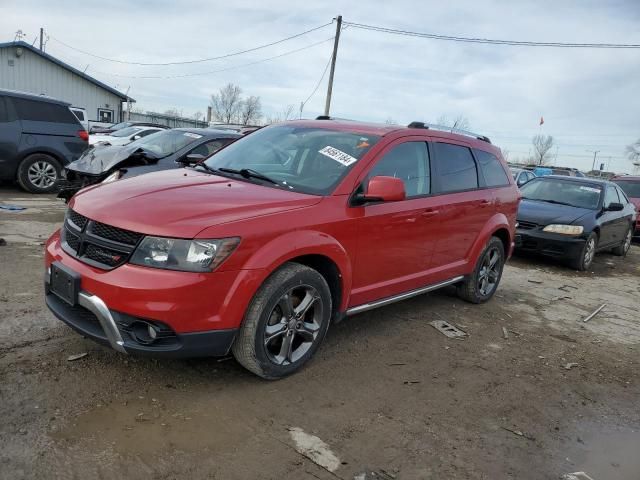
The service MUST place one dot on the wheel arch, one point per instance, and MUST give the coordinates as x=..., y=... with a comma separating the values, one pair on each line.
x=37, y=151
x=498, y=226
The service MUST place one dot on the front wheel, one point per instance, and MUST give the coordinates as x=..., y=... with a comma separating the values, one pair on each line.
x=39, y=173
x=285, y=322
x=585, y=258
x=483, y=282
x=622, y=249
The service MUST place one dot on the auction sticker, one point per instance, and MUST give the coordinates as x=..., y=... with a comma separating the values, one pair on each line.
x=192, y=135
x=338, y=155
x=590, y=189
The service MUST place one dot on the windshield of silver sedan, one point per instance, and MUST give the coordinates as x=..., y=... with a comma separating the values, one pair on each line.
x=306, y=160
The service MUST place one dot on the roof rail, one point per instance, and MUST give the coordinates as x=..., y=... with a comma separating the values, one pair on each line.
x=444, y=128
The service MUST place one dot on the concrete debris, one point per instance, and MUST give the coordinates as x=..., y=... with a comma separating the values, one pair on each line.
x=596, y=311
x=505, y=333
x=576, y=476
x=530, y=280
x=314, y=449
x=447, y=329
x=78, y=356
x=570, y=365
x=518, y=433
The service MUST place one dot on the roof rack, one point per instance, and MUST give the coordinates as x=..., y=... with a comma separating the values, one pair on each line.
x=444, y=128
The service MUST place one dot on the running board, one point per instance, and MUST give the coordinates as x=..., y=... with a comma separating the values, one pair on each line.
x=402, y=296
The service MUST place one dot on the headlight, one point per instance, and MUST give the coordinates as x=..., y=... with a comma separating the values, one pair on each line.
x=185, y=255
x=564, y=229
x=113, y=177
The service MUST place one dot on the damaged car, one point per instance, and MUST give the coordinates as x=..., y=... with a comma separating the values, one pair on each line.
x=160, y=151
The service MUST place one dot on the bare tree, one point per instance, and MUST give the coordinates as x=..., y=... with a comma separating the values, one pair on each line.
x=197, y=116
x=173, y=112
x=633, y=151
x=251, y=111
x=460, y=122
x=505, y=154
x=287, y=112
x=227, y=104
x=542, y=144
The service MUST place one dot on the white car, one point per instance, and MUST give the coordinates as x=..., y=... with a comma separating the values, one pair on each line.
x=123, y=136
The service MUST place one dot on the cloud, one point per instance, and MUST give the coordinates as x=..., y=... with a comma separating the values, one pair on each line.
x=588, y=97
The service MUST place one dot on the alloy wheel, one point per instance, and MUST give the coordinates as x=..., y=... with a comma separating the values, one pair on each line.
x=42, y=174
x=293, y=325
x=627, y=242
x=489, y=272
x=589, y=252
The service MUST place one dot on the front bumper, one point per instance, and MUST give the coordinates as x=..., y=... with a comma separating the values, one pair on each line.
x=74, y=182
x=550, y=244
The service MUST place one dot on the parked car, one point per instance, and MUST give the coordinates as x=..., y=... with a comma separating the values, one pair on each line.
x=573, y=218
x=38, y=136
x=160, y=151
x=81, y=115
x=521, y=176
x=631, y=187
x=124, y=136
x=118, y=126
x=257, y=249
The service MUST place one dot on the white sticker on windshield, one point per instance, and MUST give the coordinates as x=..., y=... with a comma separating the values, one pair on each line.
x=590, y=189
x=338, y=155
x=192, y=135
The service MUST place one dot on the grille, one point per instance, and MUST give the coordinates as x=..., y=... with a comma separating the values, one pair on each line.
x=114, y=233
x=77, y=219
x=526, y=225
x=97, y=244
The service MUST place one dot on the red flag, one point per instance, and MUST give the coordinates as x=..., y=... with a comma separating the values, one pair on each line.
x=541, y=120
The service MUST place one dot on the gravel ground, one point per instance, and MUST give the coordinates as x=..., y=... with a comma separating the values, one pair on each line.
x=387, y=396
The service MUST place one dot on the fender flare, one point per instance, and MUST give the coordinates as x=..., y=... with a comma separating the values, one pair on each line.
x=299, y=243
x=499, y=221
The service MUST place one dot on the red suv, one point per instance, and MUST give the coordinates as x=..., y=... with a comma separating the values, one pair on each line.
x=630, y=185
x=258, y=248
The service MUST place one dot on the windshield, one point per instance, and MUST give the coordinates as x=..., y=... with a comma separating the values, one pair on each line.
x=576, y=194
x=630, y=187
x=125, y=132
x=166, y=142
x=120, y=125
x=308, y=160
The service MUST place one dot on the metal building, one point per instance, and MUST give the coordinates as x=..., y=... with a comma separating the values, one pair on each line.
x=28, y=69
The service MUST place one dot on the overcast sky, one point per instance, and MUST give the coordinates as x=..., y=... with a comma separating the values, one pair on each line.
x=590, y=99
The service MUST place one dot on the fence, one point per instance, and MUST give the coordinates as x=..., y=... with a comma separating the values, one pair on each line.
x=168, y=120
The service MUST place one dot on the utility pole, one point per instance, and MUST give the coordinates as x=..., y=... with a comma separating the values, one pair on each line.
x=595, y=154
x=41, y=35
x=327, y=104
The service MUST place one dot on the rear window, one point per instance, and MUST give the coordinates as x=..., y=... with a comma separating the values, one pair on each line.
x=456, y=168
x=492, y=171
x=630, y=187
x=43, y=111
x=79, y=114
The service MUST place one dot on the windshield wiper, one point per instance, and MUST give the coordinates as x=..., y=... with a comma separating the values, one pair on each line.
x=249, y=173
x=554, y=201
x=206, y=167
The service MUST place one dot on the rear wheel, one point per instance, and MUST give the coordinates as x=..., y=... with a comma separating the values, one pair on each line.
x=622, y=249
x=285, y=322
x=483, y=282
x=39, y=173
x=584, y=260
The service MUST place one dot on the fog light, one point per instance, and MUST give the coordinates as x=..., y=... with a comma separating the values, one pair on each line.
x=152, y=332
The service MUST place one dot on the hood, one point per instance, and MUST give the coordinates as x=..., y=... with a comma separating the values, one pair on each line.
x=544, y=213
x=182, y=202
x=101, y=159
x=93, y=139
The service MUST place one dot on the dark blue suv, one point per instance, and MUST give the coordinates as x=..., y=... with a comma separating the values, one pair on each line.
x=38, y=136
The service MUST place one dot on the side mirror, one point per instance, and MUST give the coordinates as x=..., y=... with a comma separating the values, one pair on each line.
x=137, y=137
x=615, y=207
x=191, y=159
x=383, y=189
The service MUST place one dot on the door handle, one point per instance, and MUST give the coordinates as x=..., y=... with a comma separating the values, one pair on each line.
x=430, y=213
x=484, y=203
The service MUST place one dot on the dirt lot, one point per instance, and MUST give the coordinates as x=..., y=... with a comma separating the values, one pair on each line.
x=390, y=396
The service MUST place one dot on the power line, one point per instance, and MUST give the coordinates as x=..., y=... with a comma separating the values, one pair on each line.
x=489, y=41
x=167, y=77
x=186, y=62
x=324, y=72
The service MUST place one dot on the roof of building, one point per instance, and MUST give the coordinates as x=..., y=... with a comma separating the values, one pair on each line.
x=66, y=66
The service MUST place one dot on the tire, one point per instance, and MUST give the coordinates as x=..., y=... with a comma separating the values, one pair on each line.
x=273, y=310
x=622, y=249
x=39, y=173
x=588, y=252
x=482, y=284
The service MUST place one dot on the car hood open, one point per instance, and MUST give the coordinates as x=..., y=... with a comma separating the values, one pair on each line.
x=182, y=202
x=544, y=213
x=102, y=158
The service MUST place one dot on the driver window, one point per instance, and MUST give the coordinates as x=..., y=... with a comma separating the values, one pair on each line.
x=610, y=196
x=409, y=162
